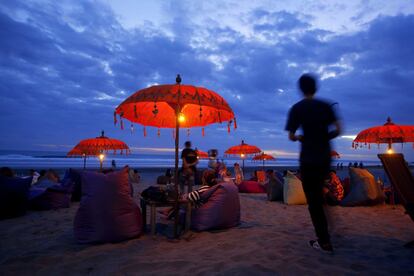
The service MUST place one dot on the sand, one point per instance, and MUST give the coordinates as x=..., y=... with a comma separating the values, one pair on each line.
x=272, y=239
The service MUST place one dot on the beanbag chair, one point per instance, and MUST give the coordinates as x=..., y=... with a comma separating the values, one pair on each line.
x=75, y=177
x=221, y=209
x=251, y=187
x=364, y=191
x=293, y=193
x=106, y=212
x=49, y=195
x=274, y=189
x=13, y=196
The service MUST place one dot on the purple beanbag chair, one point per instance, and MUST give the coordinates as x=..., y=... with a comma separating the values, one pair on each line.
x=13, y=196
x=221, y=209
x=107, y=212
x=251, y=187
x=51, y=195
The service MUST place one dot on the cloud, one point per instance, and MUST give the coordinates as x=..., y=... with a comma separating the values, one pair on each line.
x=64, y=67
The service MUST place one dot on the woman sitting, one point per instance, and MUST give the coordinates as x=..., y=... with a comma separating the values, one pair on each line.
x=333, y=190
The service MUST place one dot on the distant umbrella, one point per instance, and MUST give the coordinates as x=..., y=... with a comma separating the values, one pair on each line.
x=389, y=133
x=335, y=154
x=263, y=157
x=97, y=147
x=242, y=150
x=201, y=154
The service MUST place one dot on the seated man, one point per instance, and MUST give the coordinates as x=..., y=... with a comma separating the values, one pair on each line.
x=208, y=180
x=333, y=190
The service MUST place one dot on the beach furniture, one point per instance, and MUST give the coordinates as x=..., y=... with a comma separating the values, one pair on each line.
x=293, y=193
x=261, y=176
x=107, y=212
x=221, y=209
x=175, y=106
x=363, y=189
x=263, y=157
x=251, y=187
x=401, y=179
x=13, y=196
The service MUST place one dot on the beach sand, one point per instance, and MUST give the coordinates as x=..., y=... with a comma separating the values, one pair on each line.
x=272, y=239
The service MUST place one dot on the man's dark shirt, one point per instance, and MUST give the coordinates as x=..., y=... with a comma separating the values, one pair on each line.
x=190, y=156
x=314, y=117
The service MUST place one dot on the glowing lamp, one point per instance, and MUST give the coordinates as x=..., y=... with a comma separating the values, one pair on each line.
x=242, y=155
x=101, y=156
x=390, y=151
x=181, y=117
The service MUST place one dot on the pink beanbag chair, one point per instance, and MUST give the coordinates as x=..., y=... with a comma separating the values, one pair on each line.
x=221, y=209
x=107, y=212
x=251, y=187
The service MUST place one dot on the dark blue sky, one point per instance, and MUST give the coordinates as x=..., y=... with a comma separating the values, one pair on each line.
x=65, y=66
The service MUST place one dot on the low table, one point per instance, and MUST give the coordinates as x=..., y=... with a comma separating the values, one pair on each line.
x=153, y=213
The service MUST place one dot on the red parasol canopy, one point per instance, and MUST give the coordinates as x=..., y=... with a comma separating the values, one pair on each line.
x=242, y=150
x=201, y=154
x=388, y=133
x=96, y=146
x=174, y=106
x=264, y=157
x=335, y=154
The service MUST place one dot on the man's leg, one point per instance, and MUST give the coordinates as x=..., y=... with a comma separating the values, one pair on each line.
x=312, y=181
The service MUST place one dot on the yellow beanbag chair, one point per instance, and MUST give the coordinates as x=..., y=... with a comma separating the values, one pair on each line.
x=293, y=191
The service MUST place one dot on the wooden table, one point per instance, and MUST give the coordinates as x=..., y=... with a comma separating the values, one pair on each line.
x=153, y=213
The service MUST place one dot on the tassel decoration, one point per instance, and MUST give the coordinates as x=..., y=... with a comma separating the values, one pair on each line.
x=369, y=146
x=132, y=128
x=188, y=132
x=203, y=133
x=158, y=132
x=115, y=120
x=353, y=145
x=173, y=134
x=122, y=124
x=145, y=132
x=235, y=123
x=228, y=127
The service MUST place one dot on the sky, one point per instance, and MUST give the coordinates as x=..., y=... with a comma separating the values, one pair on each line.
x=66, y=65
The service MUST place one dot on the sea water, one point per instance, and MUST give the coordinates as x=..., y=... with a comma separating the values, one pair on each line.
x=57, y=159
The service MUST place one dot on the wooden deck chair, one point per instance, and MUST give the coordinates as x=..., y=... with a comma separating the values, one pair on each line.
x=261, y=176
x=402, y=181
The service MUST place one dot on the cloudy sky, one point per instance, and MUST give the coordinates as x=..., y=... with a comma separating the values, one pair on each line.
x=65, y=66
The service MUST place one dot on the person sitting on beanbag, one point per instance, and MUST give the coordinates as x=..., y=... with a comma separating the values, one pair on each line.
x=333, y=190
x=208, y=180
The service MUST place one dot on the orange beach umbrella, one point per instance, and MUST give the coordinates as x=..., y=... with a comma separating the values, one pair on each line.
x=264, y=157
x=97, y=146
x=201, y=154
x=175, y=106
x=335, y=154
x=389, y=133
x=242, y=150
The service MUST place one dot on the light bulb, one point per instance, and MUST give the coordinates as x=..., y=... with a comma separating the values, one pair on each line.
x=101, y=156
x=390, y=151
x=181, y=118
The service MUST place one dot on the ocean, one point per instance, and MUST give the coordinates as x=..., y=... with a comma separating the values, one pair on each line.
x=18, y=159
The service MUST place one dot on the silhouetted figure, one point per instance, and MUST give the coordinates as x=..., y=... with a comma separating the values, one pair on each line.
x=341, y=166
x=113, y=164
x=314, y=117
x=350, y=165
x=188, y=169
x=356, y=165
x=361, y=165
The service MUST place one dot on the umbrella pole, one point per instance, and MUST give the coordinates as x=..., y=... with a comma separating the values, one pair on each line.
x=84, y=162
x=263, y=164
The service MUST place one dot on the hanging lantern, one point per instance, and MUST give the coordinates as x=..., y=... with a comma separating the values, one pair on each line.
x=145, y=132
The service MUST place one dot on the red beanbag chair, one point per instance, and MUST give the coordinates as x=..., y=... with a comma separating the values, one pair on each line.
x=221, y=209
x=251, y=187
x=106, y=212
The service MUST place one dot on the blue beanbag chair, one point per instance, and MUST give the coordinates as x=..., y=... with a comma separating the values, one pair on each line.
x=13, y=196
x=221, y=209
x=48, y=195
x=75, y=177
x=107, y=212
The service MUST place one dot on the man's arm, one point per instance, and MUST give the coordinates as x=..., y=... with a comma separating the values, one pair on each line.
x=337, y=131
x=294, y=138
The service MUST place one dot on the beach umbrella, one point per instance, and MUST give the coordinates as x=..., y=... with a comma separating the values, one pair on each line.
x=263, y=157
x=201, y=154
x=97, y=147
x=175, y=106
x=389, y=133
x=335, y=154
x=242, y=150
